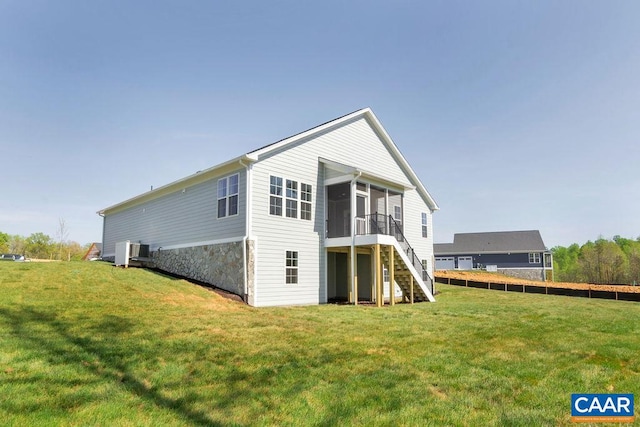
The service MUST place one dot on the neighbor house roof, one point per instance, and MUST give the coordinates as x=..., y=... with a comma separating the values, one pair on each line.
x=492, y=242
x=255, y=155
x=94, y=251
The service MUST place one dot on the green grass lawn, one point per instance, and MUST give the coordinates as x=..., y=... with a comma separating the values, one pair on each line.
x=90, y=344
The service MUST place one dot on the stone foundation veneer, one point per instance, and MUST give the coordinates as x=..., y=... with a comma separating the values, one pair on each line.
x=524, y=273
x=220, y=265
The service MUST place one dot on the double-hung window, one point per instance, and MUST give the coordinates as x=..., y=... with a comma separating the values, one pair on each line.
x=305, y=203
x=292, y=199
x=425, y=225
x=275, y=200
x=228, y=188
x=534, y=258
x=291, y=268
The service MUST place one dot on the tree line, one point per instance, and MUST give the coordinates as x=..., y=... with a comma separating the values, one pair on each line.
x=615, y=261
x=41, y=246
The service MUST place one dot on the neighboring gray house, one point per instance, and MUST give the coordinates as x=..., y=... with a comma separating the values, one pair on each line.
x=515, y=253
x=332, y=213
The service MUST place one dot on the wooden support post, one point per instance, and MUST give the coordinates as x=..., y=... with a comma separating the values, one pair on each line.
x=373, y=275
x=355, y=291
x=411, y=288
x=355, y=276
x=378, y=264
x=349, y=276
x=392, y=296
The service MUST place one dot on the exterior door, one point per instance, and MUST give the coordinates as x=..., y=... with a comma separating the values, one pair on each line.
x=362, y=205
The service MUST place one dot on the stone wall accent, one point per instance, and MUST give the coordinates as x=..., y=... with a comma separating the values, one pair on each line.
x=524, y=273
x=219, y=265
x=251, y=271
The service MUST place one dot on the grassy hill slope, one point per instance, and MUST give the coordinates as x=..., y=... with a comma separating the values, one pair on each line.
x=90, y=344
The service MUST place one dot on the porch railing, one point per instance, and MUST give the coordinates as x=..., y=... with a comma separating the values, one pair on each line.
x=387, y=225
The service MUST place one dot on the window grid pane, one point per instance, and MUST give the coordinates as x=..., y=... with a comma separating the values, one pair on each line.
x=305, y=210
x=275, y=206
x=306, y=192
x=291, y=267
x=233, y=205
x=222, y=208
x=425, y=225
x=276, y=186
x=292, y=189
x=233, y=184
x=222, y=188
x=275, y=201
x=292, y=208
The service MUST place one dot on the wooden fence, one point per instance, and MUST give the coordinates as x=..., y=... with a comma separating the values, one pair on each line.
x=542, y=288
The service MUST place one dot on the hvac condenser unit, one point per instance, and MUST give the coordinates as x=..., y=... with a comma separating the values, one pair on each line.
x=122, y=253
x=138, y=250
x=126, y=251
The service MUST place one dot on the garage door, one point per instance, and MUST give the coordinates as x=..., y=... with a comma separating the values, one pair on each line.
x=445, y=263
x=465, y=263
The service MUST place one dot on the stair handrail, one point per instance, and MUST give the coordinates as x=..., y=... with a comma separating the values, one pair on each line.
x=411, y=253
x=387, y=225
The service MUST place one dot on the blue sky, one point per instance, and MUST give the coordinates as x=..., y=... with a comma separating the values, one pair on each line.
x=515, y=115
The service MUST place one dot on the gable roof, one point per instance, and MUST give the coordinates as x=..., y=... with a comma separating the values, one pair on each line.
x=255, y=155
x=373, y=121
x=492, y=242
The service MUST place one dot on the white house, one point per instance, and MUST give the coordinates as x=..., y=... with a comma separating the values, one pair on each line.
x=332, y=213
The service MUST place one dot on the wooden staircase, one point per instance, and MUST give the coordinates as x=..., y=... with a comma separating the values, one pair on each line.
x=404, y=276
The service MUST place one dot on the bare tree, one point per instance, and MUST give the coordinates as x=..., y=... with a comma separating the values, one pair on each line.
x=62, y=234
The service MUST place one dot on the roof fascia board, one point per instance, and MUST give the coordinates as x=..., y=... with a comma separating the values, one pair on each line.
x=318, y=129
x=193, y=179
x=368, y=114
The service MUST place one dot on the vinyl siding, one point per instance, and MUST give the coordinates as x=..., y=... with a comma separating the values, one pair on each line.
x=414, y=206
x=179, y=218
x=354, y=144
x=277, y=234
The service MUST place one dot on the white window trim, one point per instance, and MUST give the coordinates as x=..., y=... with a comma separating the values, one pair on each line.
x=399, y=220
x=424, y=220
x=306, y=202
x=298, y=199
x=288, y=267
x=293, y=189
x=536, y=256
x=280, y=196
x=228, y=197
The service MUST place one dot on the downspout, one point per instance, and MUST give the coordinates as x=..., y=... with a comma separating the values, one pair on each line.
x=353, y=236
x=103, y=232
x=247, y=232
